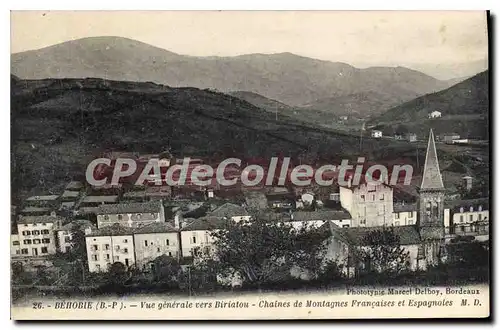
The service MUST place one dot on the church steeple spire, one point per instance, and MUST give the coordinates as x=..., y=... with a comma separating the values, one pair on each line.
x=431, y=179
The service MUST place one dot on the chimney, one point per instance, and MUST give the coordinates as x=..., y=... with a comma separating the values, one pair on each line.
x=177, y=219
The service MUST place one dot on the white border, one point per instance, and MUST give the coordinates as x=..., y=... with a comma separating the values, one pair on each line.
x=198, y=5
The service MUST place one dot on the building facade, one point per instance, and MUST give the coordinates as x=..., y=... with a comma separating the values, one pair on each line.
x=155, y=240
x=370, y=205
x=109, y=245
x=35, y=236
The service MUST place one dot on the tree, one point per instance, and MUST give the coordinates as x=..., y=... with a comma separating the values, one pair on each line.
x=259, y=250
x=165, y=268
x=381, y=252
x=78, y=244
x=117, y=273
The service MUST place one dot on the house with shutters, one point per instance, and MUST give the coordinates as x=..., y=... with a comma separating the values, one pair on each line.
x=35, y=236
x=108, y=245
x=156, y=240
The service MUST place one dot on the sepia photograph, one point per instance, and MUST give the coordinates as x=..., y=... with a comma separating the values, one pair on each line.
x=250, y=165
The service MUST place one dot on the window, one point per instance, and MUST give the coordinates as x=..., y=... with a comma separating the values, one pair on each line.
x=125, y=241
x=15, y=242
x=106, y=217
x=36, y=241
x=117, y=247
x=45, y=232
x=373, y=197
x=106, y=246
x=363, y=198
x=95, y=247
x=25, y=225
x=45, y=240
x=170, y=254
x=126, y=262
x=194, y=239
x=158, y=250
x=107, y=256
x=125, y=250
x=44, y=250
x=35, y=232
x=67, y=239
x=95, y=257
x=471, y=209
x=120, y=217
x=145, y=243
x=471, y=218
x=24, y=251
x=139, y=216
x=382, y=197
x=27, y=241
x=168, y=242
x=27, y=233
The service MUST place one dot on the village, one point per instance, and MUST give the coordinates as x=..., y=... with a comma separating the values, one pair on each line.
x=134, y=227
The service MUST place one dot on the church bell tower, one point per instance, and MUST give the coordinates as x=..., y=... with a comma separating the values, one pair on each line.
x=431, y=221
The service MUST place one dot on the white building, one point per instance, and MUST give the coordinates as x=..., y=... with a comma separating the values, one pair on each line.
x=109, y=245
x=130, y=214
x=195, y=235
x=155, y=240
x=64, y=234
x=435, y=114
x=405, y=214
x=467, y=218
x=35, y=236
x=376, y=134
x=370, y=205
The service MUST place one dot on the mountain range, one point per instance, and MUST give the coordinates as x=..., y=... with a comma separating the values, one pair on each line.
x=294, y=80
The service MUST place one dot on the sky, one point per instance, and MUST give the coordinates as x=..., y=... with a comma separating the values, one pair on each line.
x=359, y=38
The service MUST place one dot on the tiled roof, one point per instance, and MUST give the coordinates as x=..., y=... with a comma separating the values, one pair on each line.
x=407, y=234
x=456, y=204
x=43, y=198
x=100, y=199
x=38, y=219
x=405, y=207
x=32, y=209
x=229, y=210
x=205, y=223
x=114, y=230
x=70, y=194
x=321, y=215
x=157, y=227
x=122, y=208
